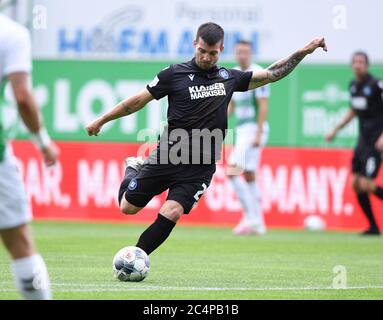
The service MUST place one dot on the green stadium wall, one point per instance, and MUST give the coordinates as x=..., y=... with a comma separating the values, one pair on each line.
x=303, y=106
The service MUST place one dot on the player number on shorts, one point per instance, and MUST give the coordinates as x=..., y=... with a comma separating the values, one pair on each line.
x=199, y=193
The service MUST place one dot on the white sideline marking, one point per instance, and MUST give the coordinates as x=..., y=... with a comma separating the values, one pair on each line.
x=114, y=289
x=158, y=288
x=75, y=287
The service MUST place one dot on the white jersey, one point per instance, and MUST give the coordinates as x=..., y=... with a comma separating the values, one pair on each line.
x=15, y=48
x=246, y=102
x=15, y=56
x=244, y=155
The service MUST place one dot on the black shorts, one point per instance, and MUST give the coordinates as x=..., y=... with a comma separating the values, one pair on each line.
x=186, y=183
x=366, y=160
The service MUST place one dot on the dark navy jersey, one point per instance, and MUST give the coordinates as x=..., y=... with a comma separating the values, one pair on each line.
x=367, y=102
x=197, y=98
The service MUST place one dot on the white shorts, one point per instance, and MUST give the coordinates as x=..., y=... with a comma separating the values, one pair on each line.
x=14, y=206
x=244, y=155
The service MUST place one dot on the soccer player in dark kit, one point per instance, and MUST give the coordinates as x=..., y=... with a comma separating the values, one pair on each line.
x=184, y=162
x=366, y=94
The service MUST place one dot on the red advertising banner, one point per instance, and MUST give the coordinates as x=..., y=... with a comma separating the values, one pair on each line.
x=294, y=183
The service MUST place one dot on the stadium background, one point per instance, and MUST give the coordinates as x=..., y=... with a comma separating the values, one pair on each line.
x=84, y=64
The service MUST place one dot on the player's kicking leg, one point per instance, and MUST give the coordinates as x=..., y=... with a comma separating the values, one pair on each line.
x=135, y=192
x=186, y=184
x=133, y=167
x=160, y=229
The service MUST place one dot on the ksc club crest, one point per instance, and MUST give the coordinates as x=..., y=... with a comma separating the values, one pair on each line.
x=367, y=91
x=223, y=73
x=132, y=184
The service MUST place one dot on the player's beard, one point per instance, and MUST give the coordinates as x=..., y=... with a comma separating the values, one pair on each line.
x=205, y=65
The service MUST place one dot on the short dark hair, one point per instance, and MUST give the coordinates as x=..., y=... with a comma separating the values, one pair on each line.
x=245, y=42
x=363, y=54
x=210, y=32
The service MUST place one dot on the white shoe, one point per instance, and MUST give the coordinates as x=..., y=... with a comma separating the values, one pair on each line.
x=258, y=226
x=260, y=230
x=246, y=228
x=134, y=162
x=242, y=223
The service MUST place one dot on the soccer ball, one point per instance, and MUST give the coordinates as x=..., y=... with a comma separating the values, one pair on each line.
x=131, y=264
x=314, y=223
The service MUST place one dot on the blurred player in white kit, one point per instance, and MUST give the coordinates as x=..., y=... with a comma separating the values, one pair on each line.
x=28, y=267
x=252, y=130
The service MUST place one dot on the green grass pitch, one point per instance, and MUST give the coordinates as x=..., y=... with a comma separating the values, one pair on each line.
x=206, y=263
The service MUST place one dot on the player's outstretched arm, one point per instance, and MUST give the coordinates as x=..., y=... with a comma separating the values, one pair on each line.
x=282, y=68
x=122, y=109
x=346, y=119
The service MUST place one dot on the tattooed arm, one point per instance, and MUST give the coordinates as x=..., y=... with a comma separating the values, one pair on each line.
x=124, y=108
x=282, y=68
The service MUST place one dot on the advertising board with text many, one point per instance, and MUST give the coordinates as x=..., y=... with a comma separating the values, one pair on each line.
x=294, y=182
